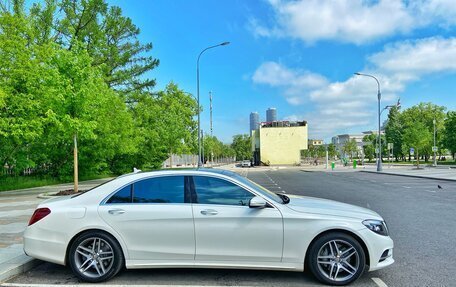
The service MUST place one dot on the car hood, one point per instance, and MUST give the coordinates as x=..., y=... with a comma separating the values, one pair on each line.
x=314, y=205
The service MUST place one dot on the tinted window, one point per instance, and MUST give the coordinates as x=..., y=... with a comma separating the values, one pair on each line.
x=211, y=190
x=122, y=196
x=169, y=189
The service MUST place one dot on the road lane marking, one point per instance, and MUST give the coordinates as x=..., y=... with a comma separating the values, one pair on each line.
x=406, y=186
x=379, y=282
x=431, y=191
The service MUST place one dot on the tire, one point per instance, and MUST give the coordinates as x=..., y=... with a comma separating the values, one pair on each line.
x=336, y=259
x=90, y=262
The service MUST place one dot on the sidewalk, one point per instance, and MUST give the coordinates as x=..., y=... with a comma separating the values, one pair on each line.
x=426, y=172
x=16, y=208
x=440, y=173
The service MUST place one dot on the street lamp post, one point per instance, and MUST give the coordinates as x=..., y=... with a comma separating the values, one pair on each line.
x=198, y=98
x=379, y=96
x=434, y=148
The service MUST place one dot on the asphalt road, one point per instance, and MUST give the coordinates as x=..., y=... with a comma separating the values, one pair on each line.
x=420, y=216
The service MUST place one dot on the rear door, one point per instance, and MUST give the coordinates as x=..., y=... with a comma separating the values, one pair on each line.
x=154, y=218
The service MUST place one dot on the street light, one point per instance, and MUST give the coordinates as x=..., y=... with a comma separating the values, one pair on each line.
x=434, y=148
x=198, y=98
x=379, y=96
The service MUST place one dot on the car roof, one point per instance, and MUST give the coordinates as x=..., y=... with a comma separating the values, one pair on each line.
x=193, y=171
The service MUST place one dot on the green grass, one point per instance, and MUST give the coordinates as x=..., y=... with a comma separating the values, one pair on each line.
x=22, y=182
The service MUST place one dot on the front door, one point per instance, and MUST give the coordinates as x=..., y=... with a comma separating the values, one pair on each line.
x=226, y=229
x=154, y=219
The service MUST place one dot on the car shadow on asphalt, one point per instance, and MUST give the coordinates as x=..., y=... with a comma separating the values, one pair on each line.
x=48, y=273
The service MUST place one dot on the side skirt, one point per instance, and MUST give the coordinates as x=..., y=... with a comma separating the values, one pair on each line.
x=284, y=266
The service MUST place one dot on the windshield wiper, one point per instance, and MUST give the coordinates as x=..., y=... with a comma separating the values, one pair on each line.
x=284, y=198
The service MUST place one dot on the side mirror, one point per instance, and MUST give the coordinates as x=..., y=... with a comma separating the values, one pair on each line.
x=257, y=202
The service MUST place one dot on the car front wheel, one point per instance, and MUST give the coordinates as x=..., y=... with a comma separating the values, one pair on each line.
x=336, y=259
x=95, y=257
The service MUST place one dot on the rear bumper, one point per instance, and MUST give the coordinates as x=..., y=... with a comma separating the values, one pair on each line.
x=44, y=247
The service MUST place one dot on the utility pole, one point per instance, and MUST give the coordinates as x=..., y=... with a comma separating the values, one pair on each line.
x=202, y=146
x=210, y=99
x=212, y=153
x=327, y=156
x=434, y=148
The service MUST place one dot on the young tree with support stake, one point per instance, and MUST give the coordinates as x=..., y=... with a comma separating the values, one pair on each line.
x=418, y=137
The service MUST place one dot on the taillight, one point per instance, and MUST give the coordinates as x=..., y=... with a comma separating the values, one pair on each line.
x=39, y=214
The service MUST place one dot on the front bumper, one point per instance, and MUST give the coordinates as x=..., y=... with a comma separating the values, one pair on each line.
x=380, y=249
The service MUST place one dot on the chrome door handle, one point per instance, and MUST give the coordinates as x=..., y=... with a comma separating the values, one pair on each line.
x=116, y=211
x=209, y=212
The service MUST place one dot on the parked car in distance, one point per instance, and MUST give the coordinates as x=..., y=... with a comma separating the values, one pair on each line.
x=205, y=219
x=246, y=163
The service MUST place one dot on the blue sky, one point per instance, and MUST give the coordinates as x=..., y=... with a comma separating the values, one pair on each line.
x=300, y=56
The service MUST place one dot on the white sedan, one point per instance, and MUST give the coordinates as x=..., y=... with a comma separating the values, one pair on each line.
x=205, y=219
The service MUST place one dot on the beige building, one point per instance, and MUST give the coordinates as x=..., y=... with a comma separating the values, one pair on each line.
x=279, y=143
x=312, y=142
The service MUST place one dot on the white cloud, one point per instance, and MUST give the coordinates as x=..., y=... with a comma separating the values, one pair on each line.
x=353, y=21
x=415, y=58
x=343, y=105
x=297, y=83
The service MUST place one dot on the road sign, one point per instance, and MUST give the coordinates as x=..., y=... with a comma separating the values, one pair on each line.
x=412, y=151
x=434, y=149
x=390, y=145
x=376, y=150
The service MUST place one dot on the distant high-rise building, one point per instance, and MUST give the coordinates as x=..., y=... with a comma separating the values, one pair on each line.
x=271, y=115
x=254, y=121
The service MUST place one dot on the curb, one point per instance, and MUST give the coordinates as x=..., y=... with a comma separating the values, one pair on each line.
x=48, y=195
x=408, y=175
x=16, y=266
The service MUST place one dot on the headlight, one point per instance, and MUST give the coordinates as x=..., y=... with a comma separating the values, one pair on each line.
x=376, y=226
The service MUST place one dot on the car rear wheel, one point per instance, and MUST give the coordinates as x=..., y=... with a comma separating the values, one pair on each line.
x=95, y=257
x=336, y=259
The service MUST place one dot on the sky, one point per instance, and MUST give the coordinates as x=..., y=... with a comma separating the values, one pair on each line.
x=300, y=57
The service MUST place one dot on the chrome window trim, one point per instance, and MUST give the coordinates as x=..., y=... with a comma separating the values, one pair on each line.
x=213, y=175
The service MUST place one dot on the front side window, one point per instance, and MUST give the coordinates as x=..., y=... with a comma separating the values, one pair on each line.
x=167, y=189
x=210, y=190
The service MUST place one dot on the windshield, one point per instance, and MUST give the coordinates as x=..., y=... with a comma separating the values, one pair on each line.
x=269, y=194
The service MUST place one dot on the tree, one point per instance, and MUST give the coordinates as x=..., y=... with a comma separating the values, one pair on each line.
x=350, y=148
x=393, y=132
x=242, y=146
x=424, y=113
x=369, y=142
x=110, y=38
x=22, y=113
x=332, y=152
x=76, y=67
x=449, y=138
x=166, y=125
x=418, y=137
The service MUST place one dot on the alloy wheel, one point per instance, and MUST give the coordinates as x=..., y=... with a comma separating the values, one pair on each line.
x=338, y=260
x=94, y=257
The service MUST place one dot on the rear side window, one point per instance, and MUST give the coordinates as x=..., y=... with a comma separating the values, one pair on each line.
x=168, y=189
x=210, y=190
x=122, y=196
